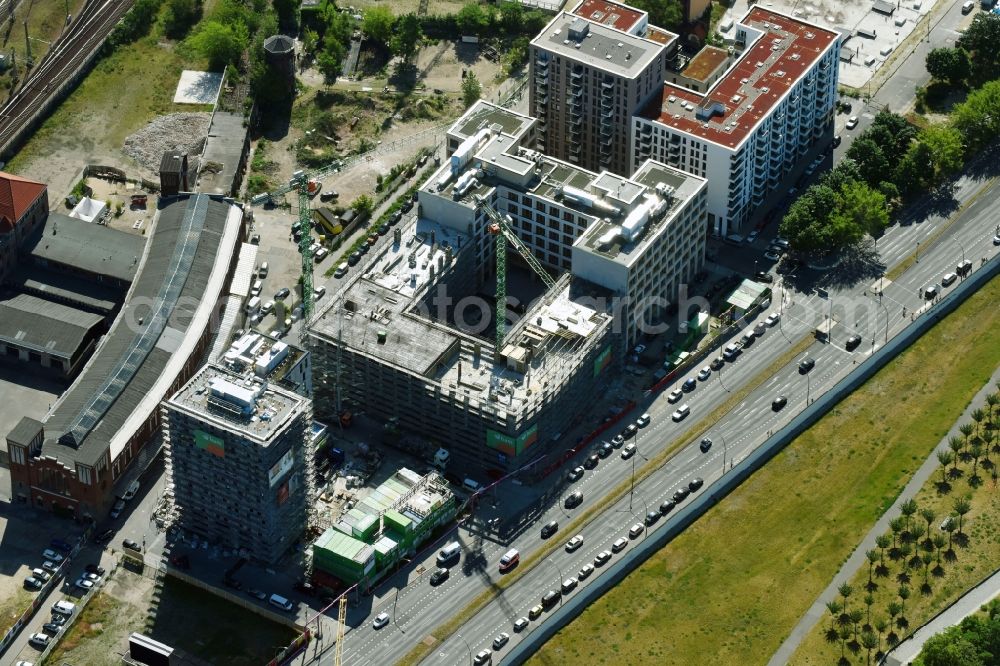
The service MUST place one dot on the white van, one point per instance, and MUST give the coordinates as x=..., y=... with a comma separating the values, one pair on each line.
x=64, y=608
x=471, y=485
x=280, y=602
x=253, y=305
x=257, y=287
x=262, y=271
x=449, y=554
x=321, y=254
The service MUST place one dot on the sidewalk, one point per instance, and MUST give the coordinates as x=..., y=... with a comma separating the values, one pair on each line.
x=857, y=558
x=966, y=605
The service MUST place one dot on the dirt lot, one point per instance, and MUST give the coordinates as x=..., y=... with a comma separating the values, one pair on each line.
x=203, y=628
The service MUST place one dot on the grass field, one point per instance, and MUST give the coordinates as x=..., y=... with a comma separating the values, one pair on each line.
x=975, y=561
x=729, y=589
x=11, y=608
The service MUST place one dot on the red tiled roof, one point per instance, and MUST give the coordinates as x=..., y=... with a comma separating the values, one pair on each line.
x=16, y=195
x=761, y=77
x=609, y=13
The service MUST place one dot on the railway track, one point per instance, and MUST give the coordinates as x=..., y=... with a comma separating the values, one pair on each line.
x=85, y=34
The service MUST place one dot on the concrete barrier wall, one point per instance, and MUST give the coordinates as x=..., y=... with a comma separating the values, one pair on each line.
x=717, y=490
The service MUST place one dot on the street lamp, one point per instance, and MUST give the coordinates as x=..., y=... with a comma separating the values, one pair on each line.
x=467, y=646
x=558, y=582
x=807, y=389
x=725, y=448
x=963, y=252
x=884, y=307
x=634, y=456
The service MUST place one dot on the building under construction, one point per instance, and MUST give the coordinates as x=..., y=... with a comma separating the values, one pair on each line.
x=415, y=338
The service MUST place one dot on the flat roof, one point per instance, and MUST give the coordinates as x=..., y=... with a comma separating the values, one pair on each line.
x=659, y=35
x=33, y=323
x=612, y=14
x=239, y=403
x=224, y=146
x=88, y=247
x=745, y=94
x=379, y=299
x=597, y=46
x=486, y=114
x=682, y=187
x=746, y=294
x=174, y=294
x=705, y=63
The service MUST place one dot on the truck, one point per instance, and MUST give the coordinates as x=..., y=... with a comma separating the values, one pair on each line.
x=823, y=330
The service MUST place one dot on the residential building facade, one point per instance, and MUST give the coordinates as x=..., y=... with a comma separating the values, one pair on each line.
x=751, y=128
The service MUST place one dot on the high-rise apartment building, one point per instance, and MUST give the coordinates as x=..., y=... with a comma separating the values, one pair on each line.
x=753, y=124
x=590, y=72
x=238, y=461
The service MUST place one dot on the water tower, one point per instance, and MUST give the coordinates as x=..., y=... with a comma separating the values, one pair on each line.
x=279, y=53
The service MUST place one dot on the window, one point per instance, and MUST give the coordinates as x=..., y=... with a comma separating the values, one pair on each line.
x=17, y=454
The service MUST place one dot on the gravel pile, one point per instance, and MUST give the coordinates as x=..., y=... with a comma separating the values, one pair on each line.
x=175, y=131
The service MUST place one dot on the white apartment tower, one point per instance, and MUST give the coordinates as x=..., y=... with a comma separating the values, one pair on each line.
x=751, y=127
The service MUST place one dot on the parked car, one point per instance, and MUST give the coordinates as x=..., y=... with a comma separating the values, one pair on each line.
x=680, y=413
x=764, y=276
x=84, y=584
x=602, y=558
x=574, y=474
x=635, y=531
x=605, y=450
x=52, y=555
x=591, y=461
x=282, y=294
x=628, y=451
x=94, y=569
x=689, y=385
x=573, y=500
x=501, y=640
x=643, y=420
x=717, y=363
x=704, y=373
x=535, y=612
x=39, y=640
x=852, y=122
x=675, y=396
x=51, y=628
x=60, y=544
x=131, y=545
x=681, y=494
x=329, y=195
x=667, y=506
x=652, y=517
x=574, y=543
x=32, y=583
x=520, y=624
x=619, y=545
x=695, y=484
x=772, y=255
x=483, y=658
x=772, y=319
x=257, y=594
x=930, y=292
x=105, y=537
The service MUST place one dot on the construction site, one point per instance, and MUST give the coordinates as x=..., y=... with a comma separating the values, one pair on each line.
x=491, y=321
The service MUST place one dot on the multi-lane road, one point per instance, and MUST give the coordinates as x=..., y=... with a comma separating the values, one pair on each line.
x=418, y=608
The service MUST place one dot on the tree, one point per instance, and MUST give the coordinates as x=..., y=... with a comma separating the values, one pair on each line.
x=471, y=90
x=961, y=507
x=512, y=16
x=407, y=35
x=948, y=65
x=914, y=173
x=956, y=445
x=949, y=526
x=883, y=541
x=377, y=23
x=363, y=205
x=872, y=557
x=904, y=594
x=861, y=210
x=908, y=508
x=978, y=117
x=179, y=16
x=221, y=44
x=310, y=40
x=896, y=525
x=945, y=147
x=928, y=515
x=845, y=590
x=894, y=608
x=472, y=20
x=944, y=457
x=976, y=451
x=893, y=133
x=869, y=642
x=950, y=648
x=806, y=223
x=980, y=40
x=667, y=14
x=867, y=154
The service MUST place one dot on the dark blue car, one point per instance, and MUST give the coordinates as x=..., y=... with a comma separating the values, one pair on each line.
x=59, y=544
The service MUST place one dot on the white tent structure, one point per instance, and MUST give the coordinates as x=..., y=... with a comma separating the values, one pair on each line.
x=90, y=210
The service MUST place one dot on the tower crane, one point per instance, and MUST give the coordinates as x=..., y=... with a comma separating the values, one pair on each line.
x=500, y=226
x=305, y=245
x=338, y=653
